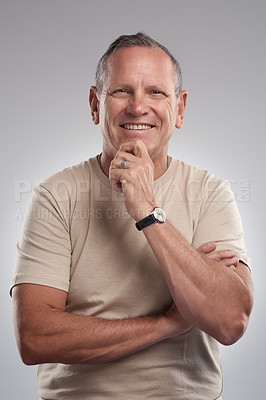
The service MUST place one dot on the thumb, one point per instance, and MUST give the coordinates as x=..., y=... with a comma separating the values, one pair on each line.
x=207, y=248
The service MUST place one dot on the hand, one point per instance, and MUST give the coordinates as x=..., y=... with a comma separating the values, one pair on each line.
x=136, y=180
x=225, y=257
x=175, y=322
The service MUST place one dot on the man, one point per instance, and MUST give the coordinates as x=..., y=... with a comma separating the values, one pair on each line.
x=108, y=311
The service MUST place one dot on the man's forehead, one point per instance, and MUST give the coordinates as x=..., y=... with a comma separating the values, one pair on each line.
x=133, y=59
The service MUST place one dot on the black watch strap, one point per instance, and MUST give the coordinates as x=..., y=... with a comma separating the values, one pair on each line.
x=145, y=222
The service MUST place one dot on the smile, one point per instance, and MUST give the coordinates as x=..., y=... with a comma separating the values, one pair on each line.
x=136, y=127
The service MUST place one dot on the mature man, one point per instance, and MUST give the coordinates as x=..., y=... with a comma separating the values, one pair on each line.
x=111, y=312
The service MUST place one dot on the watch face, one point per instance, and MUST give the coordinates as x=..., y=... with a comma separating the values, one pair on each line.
x=159, y=214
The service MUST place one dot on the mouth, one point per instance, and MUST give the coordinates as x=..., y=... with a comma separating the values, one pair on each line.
x=136, y=127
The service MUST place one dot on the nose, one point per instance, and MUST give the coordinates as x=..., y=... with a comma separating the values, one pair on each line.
x=137, y=105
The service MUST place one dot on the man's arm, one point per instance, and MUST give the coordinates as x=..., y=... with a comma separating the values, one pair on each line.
x=46, y=333
x=215, y=299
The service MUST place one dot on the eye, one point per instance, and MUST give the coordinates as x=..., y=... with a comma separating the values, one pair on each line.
x=120, y=92
x=157, y=93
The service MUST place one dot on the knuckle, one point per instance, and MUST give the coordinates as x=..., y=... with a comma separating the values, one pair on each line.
x=141, y=167
x=112, y=174
x=132, y=173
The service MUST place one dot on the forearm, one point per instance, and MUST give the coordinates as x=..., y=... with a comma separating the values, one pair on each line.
x=56, y=336
x=213, y=298
x=83, y=339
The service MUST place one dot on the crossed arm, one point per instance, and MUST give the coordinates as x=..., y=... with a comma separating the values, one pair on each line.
x=211, y=290
x=46, y=333
x=215, y=299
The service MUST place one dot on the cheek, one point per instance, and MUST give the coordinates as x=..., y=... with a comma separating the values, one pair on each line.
x=167, y=113
x=112, y=112
x=172, y=114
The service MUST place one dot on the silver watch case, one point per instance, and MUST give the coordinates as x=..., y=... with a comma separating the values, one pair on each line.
x=159, y=214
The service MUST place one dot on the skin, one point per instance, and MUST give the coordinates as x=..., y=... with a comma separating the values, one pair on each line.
x=196, y=282
x=139, y=89
x=45, y=333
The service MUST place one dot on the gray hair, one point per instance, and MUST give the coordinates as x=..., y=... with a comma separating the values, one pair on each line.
x=140, y=39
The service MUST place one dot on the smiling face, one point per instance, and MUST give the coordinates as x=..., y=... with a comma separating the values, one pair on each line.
x=138, y=101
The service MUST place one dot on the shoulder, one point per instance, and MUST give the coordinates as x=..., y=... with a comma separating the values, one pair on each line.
x=199, y=183
x=69, y=182
x=188, y=171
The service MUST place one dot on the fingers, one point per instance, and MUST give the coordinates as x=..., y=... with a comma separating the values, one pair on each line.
x=138, y=166
x=120, y=156
x=221, y=255
x=117, y=174
x=225, y=257
x=137, y=148
x=116, y=178
x=134, y=178
x=134, y=153
x=207, y=248
x=229, y=262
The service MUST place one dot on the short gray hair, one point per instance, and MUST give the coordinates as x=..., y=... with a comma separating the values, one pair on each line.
x=140, y=39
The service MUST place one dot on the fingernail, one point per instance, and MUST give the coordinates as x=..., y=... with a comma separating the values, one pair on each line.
x=230, y=252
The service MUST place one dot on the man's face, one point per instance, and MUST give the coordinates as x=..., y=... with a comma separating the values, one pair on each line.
x=138, y=101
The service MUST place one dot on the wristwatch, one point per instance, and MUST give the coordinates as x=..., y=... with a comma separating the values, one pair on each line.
x=157, y=215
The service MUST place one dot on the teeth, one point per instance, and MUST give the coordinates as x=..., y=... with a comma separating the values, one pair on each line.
x=136, y=127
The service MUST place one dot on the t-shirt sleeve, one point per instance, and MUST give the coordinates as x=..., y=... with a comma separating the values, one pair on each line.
x=44, y=250
x=219, y=221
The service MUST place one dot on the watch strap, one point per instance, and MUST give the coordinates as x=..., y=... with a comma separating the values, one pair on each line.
x=150, y=219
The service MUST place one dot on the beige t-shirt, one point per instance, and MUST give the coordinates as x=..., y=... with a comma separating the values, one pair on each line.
x=78, y=237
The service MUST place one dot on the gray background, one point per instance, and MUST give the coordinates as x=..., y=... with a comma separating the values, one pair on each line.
x=49, y=51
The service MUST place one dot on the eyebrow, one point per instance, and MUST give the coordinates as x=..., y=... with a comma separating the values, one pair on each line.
x=156, y=86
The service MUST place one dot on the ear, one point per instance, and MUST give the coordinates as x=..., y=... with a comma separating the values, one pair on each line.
x=94, y=105
x=181, y=104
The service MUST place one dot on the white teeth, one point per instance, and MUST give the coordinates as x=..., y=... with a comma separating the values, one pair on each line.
x=136, y=127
